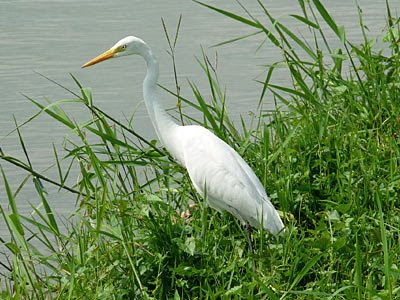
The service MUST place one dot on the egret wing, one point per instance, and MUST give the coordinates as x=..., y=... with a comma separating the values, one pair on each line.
x=221, y=175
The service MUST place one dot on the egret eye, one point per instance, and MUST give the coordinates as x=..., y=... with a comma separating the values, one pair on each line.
x=123, y=47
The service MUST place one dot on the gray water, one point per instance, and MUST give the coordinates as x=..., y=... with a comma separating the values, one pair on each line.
x=55, y=38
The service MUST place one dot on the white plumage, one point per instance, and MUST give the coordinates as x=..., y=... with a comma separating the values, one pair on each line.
x=216, y=170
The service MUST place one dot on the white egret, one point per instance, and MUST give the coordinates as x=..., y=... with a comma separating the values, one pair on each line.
x=217, y=171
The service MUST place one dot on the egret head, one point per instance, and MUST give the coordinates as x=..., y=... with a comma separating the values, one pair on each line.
x=127, y=46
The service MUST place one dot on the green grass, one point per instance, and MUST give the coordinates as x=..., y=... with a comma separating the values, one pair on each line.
x=328, y=156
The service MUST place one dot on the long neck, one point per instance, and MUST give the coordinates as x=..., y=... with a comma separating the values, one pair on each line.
x=166, y=128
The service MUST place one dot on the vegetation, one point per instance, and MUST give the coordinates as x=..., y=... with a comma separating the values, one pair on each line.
x=328, y=156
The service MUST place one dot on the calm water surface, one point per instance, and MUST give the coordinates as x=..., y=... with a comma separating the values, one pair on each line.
x=56, y=37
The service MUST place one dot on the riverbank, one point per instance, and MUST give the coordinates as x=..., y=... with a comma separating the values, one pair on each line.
x=328, y=156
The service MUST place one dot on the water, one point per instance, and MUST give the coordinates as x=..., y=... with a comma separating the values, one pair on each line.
x=57, y=37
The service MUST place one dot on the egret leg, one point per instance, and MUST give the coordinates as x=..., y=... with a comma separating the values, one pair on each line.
x=246, y=227
x=249, y=236
x=248, y=231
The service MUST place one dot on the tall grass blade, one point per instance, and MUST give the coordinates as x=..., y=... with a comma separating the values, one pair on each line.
x=339, y=31
x=231, y=15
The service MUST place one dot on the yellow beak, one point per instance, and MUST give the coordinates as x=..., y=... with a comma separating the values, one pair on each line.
x=104, y=56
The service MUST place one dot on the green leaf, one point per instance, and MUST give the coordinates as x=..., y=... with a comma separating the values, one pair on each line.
x=231, y=15
x=11, y=200
x=288, y=90
x=61, y=118
x=190, y=244
x=176, y=295
x=205, y=109
x=87, y=96
x=233, y=291
x=237, y=39
x=42, y=193
x=310, y=263
x=386, y=256
x=13, y=248
x=329, y=20
x=136, y=162
x=17, y=224
x=297, y=40
x=358, y=267
x=306, y=21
